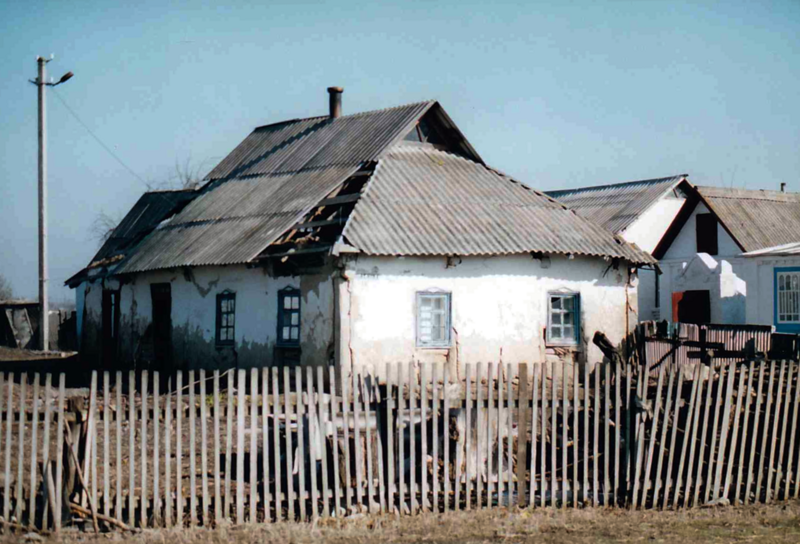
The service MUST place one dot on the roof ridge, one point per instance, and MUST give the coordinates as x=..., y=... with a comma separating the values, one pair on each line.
x=348, y=116
x=750, y=194
x=652, y=181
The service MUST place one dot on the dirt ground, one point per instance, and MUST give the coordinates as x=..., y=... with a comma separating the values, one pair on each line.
x=779, y=523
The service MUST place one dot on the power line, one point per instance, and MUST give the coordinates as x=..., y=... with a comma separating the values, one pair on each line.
x=98, y=140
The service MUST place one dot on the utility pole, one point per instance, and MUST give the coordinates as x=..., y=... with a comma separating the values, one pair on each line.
x=41, y=83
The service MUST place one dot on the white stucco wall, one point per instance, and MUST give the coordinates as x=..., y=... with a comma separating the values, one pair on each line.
x=499, y=307
x=194, y=313
x=647, y=231
x=761, y=286
x=684, y=247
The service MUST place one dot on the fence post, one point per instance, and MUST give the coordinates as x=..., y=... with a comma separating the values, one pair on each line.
x=522, y=434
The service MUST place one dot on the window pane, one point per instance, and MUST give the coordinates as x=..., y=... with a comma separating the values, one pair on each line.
x=438, y=303
x=568, y=302
x=295, y=303
x=285, y=333
x=425, y=302
x=555, y=318
x=295, y=319
x=231, y=304
x=287, y=303
x=555, y=333
x=569, y=333
x=568, y=318
x=295, y=334
x=555, y=303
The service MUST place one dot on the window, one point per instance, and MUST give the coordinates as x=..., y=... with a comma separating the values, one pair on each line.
x=706, y=233
x=788, y=296
x=658, y=289
x=563, y=319
x=226, y=318
x=433, y=320
x=289, y=317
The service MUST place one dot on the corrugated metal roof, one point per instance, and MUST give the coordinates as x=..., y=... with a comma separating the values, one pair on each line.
x=422, y=201
x=266, y=184
x=618, y=205
x=784, y=250
x=757, y=219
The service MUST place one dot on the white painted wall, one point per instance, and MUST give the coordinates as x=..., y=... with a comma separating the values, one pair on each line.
x=647, y=231
x=194, y=313
x=761, y=286
x=684, y=247
x=499, y=307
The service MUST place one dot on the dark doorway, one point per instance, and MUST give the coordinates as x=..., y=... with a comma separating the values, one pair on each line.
x=694, y=307
x=162, y=323
x=110, y=328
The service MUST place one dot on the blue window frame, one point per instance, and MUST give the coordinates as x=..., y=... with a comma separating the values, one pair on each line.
x=433, y=319
x=786, y=299
x=289, y=317
x=226, y=318
x=563, y=319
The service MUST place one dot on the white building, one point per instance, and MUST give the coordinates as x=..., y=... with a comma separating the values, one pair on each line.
x=640, y=212
x=356, y=240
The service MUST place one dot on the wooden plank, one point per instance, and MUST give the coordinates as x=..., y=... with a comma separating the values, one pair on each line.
x=59, y=453
x=118, y=414
x=553, y=434
x=435, y=415
x=765, y=433
x=629, y=437
x=493, y=436
x=300, y=452
x=364, y=393
x=672, y=370
x=348, y=482
x=23, y=397
x=167, y=456
x=776, y=418
x=699, y=479
x=253, y=447
x=204, y=515
x=217, y=468
x=131, y=448
x=412, y=411
x=276, y=456
x=740, y=392
x=576, y=430
x=379, y=445
x=424, y=412
x=359, y=446
x=337, y=483
x=564, y=434
x=606, y=431
x=796, y=403
x=34, y=448
x=745, y=448
x=143, y=454
x=287, y=412
x=479, y=426
x=782, y=444
x=266, y=498
x=468, y=437
x=9, y=437
x=241, y=408
x=509, y=437
x=229, y=413
x=587, y=385
x=723, y=436
x=653, y=434
x=488, y=437
x=106, y=437
x=756, y=422
x=501, y=426
x=538, y=370
x=446, y=432
x=460, y=453
x=708, y=480
x=193, y=451
x=596, y=441
x=522, y=437
x=179, y=508
x=156, y=449
x=312, y=442
x=48, y=415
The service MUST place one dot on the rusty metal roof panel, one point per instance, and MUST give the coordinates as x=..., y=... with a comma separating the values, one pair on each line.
x=423, y=201
x=618, y=205
x=757, y=219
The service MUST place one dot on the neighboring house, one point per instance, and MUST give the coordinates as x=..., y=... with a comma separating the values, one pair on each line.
x=638, y=211
x=356, y=240
x=731, y=257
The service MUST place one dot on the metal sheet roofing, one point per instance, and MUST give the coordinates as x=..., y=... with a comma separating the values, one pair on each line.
x=266, y=184
x=617, y=206
x=784, y=250
x=422, y=201
x=757, y=219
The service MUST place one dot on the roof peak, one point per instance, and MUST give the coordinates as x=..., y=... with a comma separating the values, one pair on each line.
x=349, y=116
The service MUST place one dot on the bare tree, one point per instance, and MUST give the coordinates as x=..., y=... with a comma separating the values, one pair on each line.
x=6, y=292
x=103, y=226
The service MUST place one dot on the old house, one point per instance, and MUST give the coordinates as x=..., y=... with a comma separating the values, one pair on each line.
x=730, y=257
x=362, y=239
x=641, y=212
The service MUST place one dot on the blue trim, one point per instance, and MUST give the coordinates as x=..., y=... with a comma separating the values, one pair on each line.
x=781, y=327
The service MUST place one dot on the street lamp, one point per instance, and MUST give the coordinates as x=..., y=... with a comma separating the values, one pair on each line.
x=41, y=83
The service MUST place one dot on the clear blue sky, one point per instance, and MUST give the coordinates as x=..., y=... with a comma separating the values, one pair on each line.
x=594, y=92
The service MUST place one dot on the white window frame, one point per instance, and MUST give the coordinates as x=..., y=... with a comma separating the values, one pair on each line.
x=788, y=298
x=576, y=322
x=447, y=312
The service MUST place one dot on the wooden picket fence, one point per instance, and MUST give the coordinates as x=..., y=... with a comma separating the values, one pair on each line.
x=261, y=445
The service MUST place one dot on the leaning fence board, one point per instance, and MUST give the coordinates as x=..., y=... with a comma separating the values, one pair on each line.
x=796, y=407
x=673, y=437
x=204, y=515
x=663, y=440
x=784, y=422
x=723, y=437
x=300, y=453
x=60, y=453
x=745, y=446
x=699, y=479
x=689, y=437
x=653, y=435
x=773, y=443
x=709, y=471
x=734, y=436
x=765, y=432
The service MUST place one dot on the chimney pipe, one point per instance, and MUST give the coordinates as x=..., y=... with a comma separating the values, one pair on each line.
x=783, y=187
x=335, y=101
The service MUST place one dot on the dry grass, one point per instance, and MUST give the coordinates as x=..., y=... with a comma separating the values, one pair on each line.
x=779, y=523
